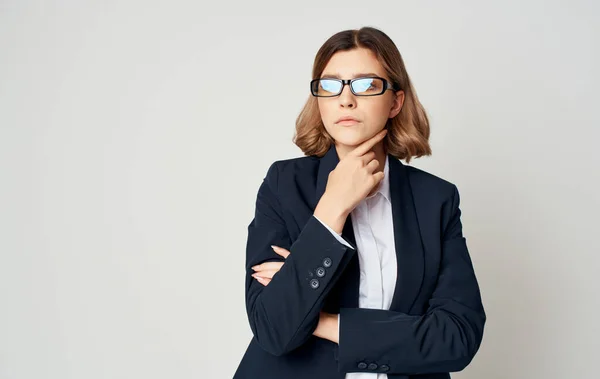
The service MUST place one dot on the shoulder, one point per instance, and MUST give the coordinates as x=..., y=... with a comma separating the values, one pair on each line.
x=289, y=170
x=434, y=186
x=434, y=195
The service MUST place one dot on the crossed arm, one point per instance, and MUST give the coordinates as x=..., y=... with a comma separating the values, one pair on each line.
x=328, y=324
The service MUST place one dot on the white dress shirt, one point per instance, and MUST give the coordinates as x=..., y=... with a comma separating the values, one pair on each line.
x=372, y=224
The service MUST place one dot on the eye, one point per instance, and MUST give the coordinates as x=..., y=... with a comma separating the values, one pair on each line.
x=368, y=85
x=327, y=87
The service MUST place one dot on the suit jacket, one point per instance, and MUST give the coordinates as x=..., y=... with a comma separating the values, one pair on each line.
x=436, y=319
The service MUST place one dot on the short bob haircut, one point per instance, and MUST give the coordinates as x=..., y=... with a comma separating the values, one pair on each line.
x=408, y=132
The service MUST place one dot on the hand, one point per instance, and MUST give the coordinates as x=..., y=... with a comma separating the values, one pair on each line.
x=349, y=183
x=354, y=176
x=327, y=328
x=265, y=271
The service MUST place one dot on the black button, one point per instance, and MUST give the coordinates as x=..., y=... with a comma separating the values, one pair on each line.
x=320, y=272
x=327, y=262
x=362, y=365
x=314, y=284
x=384, y=367
x=372, y=366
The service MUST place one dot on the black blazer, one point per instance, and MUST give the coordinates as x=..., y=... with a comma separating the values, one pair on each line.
x=436, y=318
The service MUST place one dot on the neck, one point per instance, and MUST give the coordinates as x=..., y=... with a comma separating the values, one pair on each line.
x=379, y=149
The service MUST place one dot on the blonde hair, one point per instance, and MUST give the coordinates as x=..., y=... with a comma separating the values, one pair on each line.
x=408, y=131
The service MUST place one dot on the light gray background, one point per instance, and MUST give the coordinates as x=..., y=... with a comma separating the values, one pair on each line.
x=134, y=136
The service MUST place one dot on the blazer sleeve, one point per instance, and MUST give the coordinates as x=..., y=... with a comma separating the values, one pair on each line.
x=285, y=313
x=444, y=339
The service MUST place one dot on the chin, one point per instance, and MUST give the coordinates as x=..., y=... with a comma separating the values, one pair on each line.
x=349, y=136
x=349, y=139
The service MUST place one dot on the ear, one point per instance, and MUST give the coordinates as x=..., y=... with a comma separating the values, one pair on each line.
x=397, y=104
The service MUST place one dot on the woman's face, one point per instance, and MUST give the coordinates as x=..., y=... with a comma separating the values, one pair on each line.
x=372, y=112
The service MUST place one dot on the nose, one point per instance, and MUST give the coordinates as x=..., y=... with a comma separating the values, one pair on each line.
x=347, y=98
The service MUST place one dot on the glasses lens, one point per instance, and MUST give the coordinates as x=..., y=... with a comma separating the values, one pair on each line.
x=368, y=86
x=326, y=87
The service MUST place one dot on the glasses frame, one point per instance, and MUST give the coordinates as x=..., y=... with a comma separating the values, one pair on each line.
x=386, y=86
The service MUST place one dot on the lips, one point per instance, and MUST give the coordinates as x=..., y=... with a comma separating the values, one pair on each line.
x=348, y=119
x=347, y=122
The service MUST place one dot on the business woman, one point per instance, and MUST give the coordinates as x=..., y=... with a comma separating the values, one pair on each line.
x=356, y=264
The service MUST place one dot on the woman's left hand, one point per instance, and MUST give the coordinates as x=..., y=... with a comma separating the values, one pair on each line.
x=264, y=272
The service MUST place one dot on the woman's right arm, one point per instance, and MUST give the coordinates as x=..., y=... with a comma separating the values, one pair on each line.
x=284, y=314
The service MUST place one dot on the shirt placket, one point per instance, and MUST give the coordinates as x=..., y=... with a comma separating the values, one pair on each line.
x=374, y=279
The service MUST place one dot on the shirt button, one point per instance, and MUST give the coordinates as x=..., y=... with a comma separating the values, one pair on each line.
x=327, y=262
x=372, y=366
x=320, y=272
x=384, y=367
x=314, y=284
x=362, y=365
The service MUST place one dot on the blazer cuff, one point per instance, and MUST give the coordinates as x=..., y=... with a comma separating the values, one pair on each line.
x=335, y=234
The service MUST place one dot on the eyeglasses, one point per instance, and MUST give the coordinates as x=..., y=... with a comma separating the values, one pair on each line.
x=367, y=86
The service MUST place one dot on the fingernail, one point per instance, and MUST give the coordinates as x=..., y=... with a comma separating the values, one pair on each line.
x=273, y=247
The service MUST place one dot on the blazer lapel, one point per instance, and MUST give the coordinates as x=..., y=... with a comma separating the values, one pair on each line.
x=326, y=164
x=407, y=236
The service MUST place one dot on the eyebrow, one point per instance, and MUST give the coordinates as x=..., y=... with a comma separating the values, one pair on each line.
x=336, y=76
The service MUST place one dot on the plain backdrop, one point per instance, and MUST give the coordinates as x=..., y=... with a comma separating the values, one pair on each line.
x=134, y=136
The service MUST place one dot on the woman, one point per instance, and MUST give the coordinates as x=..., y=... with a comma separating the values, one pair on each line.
x=356, y=263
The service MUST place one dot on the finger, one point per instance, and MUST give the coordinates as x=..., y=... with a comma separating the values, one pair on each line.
x=263, y=281
x=268, y=266
x=372, y=166
x=368, y=157
x=281, y=251
x=368, y=144
x=265, y=274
